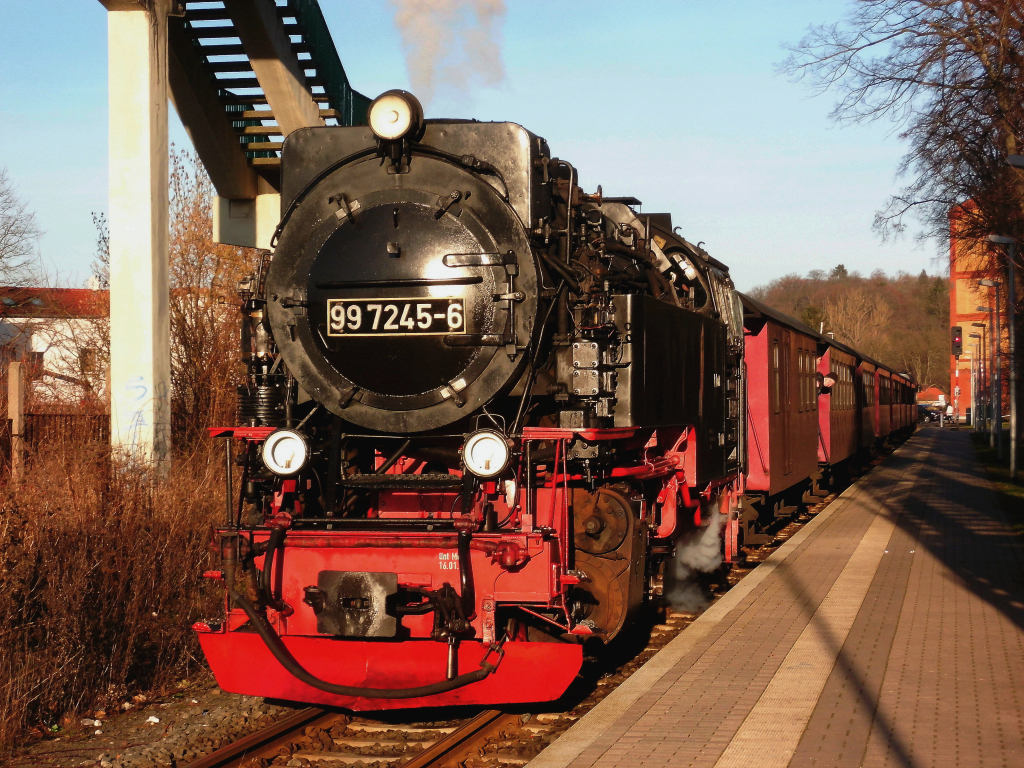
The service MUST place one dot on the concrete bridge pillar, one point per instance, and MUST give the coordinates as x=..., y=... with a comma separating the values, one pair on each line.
x=140, y=359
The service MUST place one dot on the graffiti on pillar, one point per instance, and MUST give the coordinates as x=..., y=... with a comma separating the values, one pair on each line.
x=136, y=391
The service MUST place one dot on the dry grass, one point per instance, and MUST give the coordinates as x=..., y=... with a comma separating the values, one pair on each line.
x=100, y=564
x=101, y=567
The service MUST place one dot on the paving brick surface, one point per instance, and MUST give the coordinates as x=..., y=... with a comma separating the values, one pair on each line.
x=953, y=689
x=929, y=673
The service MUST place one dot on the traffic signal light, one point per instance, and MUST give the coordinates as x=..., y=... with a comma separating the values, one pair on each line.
x=958, y=340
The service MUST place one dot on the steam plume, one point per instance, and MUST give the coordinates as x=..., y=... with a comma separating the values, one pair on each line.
x=699, y=551
x=451, y=44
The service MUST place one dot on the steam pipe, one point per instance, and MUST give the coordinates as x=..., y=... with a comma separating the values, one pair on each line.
x=466, y=586
x=393, y=458
x=230, y=486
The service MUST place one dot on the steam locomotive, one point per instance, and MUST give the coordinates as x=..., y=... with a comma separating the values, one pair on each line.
x=481, y=407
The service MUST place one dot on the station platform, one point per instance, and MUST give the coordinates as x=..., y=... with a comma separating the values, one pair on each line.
x=889, y=631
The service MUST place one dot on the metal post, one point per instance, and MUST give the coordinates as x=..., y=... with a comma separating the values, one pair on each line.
x=16, y=413
x=991, y=383
x=984, y=372
x=981, y=421
x=1011, y=314
x=974, y=389
x=230, y=490
x=999, y=383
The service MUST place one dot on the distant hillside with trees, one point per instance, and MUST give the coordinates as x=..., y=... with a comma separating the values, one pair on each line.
x=902, y=321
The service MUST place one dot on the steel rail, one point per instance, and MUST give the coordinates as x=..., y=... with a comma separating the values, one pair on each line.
x=266, y=741
x=272, y=737
x=462, y=735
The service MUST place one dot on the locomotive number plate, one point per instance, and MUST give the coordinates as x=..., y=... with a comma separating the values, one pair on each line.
x=429, y=316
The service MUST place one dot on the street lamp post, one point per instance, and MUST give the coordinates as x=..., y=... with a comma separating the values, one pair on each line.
x=994, y=377
x=999, y=363
x=974, y=380
x=983, y=371
x=993, y=374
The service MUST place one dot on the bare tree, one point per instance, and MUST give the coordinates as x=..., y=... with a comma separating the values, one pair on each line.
x=204, y=307
x=951, y=74
x=18, y=234
x=901, y=320
x=859, y=317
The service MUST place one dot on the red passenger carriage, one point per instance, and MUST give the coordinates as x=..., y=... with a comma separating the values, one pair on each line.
x=838, y=416
x=782, y=415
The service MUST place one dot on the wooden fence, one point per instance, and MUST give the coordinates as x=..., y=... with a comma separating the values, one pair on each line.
x=25, y=432
x=42, y=429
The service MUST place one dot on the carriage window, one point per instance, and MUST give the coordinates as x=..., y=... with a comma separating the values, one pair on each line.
x=806, y=382
x=804, y=367
x=775, y=374
x=812, y=383
x=800, y=379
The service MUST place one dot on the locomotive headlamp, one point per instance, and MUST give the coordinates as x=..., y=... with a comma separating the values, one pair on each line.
x=285, y=452
x=394, y=115
x=486, y=453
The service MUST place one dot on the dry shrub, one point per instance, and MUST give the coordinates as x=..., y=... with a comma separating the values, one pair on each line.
x=102, y=567
x=100, y=561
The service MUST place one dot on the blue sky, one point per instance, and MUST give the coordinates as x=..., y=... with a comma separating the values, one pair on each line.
x=676, y=103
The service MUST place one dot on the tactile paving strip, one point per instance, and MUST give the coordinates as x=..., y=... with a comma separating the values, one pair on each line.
x=773, y=728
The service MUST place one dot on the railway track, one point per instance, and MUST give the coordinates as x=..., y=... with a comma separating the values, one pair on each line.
x=317, y=736
x=490, y=739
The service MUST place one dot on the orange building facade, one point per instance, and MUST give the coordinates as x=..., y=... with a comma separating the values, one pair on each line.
x=970, y=262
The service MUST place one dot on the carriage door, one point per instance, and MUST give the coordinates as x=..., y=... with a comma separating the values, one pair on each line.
x=787, y=403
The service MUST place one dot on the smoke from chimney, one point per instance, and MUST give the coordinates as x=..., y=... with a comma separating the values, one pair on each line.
x=451, y=45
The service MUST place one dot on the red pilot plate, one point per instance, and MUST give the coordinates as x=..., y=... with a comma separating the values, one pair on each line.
x=530, y=672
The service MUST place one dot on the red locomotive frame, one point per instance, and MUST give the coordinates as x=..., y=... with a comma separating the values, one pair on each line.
x=526, y=567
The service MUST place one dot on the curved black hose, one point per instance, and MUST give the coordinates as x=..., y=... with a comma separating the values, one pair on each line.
x=284, y=656
x=275, y=542
x=393, y=458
